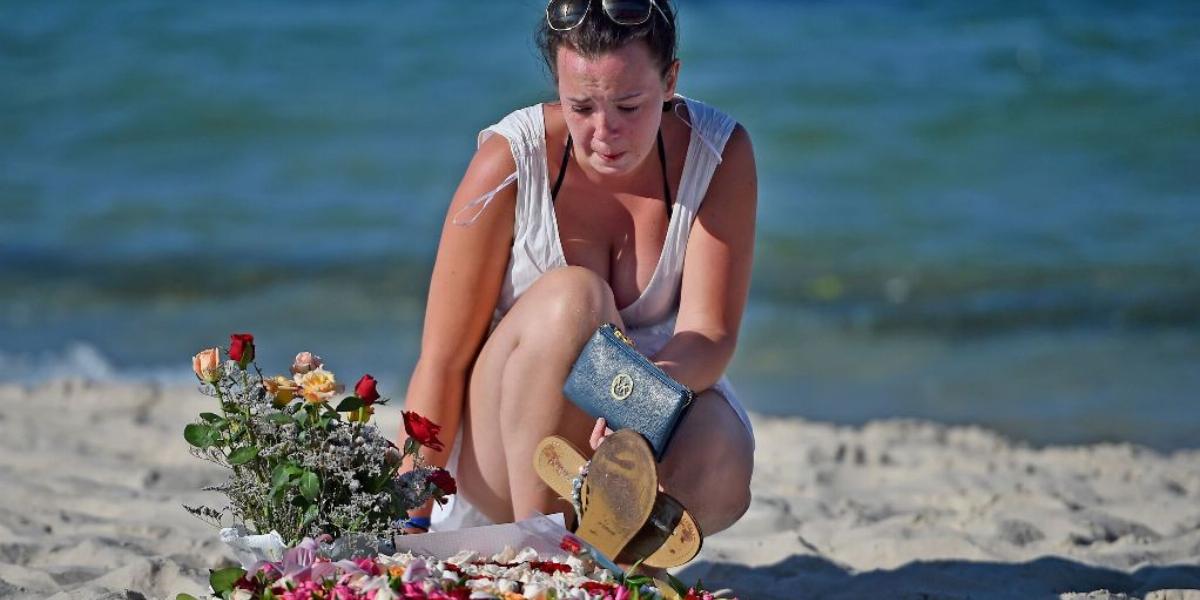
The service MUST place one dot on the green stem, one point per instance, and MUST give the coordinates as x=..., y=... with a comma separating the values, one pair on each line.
x=224, y=413
x=263, y=477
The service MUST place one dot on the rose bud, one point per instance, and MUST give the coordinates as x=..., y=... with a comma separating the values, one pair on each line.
x=241, y=348
x=305, y=362
x=365, y=390
x=207, y=365
x=392, y=457
x=422, y=430
x=443, y=480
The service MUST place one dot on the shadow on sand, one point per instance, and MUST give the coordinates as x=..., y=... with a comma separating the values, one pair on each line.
x=806, y=576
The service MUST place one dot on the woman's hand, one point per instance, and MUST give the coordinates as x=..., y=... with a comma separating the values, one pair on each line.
x=599, y=432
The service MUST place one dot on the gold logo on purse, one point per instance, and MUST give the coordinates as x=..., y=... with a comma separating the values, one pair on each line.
x=622, y=386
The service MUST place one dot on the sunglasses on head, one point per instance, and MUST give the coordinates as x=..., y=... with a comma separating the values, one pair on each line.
x=564, y=15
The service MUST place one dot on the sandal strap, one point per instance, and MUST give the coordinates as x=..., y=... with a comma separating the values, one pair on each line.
x=577, y=484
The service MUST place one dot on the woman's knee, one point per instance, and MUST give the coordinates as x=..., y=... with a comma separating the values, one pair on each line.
x=544, y=332
x=712, y=466
x=731, y=482
x=717, y=494
x=736, y=500
x=571, y=297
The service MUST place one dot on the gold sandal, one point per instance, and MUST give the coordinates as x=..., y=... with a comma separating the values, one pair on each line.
x=668, y=537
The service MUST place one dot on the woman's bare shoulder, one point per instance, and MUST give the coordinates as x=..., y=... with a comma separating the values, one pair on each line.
x=493, y=160
x=556, y=126
x=734, y=185
x=739, y=149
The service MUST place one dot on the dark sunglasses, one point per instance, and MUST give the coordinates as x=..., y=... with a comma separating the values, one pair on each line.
x=564, y=15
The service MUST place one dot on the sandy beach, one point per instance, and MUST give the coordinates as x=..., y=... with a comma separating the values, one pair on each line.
x=93, y=476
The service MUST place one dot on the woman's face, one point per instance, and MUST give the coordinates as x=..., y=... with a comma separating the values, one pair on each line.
x=613, y=105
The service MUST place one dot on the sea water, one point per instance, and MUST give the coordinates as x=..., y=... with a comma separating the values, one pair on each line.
x=981, y=212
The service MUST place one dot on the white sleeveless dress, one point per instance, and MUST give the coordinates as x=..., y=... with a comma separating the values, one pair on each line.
x=536, y=249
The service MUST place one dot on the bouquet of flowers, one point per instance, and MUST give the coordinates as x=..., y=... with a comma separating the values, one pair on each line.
x=304, y=574
x=299, y=465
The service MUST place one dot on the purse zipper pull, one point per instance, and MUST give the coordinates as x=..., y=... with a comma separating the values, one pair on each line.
x=622, y=337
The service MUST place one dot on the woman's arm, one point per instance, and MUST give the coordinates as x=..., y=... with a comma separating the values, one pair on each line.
x=463, y=291
x=716, y=272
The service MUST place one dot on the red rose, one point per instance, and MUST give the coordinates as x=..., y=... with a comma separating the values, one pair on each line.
x=423, y=430
x=241, y=348
x=365, y=390
x=571, y=545
x=443, y=480
x=597, y=587
x=550, y=567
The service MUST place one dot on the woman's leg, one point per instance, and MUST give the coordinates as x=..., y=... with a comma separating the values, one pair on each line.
x=515, y=394
x=707, y=467
x=515, y=399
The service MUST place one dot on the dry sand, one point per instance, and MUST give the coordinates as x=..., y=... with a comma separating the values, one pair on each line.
x=93, y=474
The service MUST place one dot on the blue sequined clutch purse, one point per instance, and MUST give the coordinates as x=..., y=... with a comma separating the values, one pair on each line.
x=612, y=380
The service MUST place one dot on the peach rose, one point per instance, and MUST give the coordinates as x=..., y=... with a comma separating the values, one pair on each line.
x=318, y=385
x=207, y=365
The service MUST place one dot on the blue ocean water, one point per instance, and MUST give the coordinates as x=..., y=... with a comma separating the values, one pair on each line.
x=983, y=212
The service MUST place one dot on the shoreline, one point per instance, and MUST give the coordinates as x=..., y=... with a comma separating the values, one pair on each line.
x=94, y=474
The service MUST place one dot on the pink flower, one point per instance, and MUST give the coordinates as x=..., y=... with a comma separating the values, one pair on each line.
x=305, y=362
x=416, y=572
x=304, y=591
x=300, y=559
x=368, y=566
x=343, y=592
x=322, y=570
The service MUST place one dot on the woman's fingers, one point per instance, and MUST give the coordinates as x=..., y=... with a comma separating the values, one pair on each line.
x=599, y=432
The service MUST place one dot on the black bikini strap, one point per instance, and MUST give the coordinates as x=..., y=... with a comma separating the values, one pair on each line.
x=562, y=170
x=662, y=160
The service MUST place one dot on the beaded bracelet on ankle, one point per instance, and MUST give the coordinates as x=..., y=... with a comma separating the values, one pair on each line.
x=577, y=489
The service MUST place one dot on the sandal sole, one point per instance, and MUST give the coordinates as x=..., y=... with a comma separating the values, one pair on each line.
x=621, y=487
x=670, y=537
